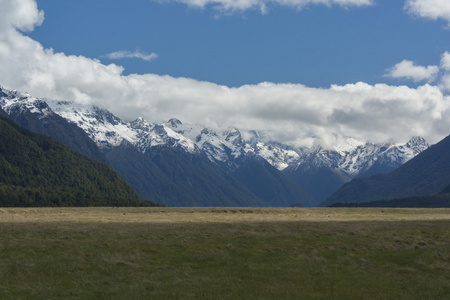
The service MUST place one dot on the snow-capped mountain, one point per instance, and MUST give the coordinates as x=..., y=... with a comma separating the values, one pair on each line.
x=408, y=185
x=36, y=115
x=227, y=147
x=108, y=131
x=223, y=146
x=278, y=157
x=359, y=157
x=18, y=102
x=105, y=129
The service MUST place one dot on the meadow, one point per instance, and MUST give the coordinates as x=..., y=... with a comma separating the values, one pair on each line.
x=224, y=253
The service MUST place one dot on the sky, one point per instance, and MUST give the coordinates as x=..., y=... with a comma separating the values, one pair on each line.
x=303, y=71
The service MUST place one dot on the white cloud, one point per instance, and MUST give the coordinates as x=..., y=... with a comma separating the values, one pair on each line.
x=128, y=54
x=445, y=61
x=20, y=14
x=431, y=9
x=242, y=5
x=407, y=69
x=292, y=113
x=445, y=66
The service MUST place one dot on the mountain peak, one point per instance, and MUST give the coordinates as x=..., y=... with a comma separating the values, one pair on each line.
x=19, y=102
x=174, y=122
x=140, y=123
x=417, y=141
x=349, y=145
x=233, y=135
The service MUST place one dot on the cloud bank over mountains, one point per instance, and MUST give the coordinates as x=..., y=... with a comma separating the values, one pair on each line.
x=290, y=113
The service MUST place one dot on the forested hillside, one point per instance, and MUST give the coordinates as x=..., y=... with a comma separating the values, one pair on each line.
x=37, y=170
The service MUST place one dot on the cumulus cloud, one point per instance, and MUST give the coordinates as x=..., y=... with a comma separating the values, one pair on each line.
x=242, y=5
x=431, y=9
x=20, y=14
x=291, y=113
x=445, y=61
x=128, y=54
x=445, y=66
x=407, y=69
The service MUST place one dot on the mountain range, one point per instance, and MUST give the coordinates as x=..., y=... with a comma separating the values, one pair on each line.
x=426, y=174
x=178, y=164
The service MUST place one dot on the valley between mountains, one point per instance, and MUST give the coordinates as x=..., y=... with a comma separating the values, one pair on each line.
x=177, y=164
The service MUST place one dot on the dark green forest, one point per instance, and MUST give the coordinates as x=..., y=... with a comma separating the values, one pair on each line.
x=37, y=170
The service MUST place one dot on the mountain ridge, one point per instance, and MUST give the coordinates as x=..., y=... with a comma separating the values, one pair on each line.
x=36, y=115
x=427, y=173
x=315, y=173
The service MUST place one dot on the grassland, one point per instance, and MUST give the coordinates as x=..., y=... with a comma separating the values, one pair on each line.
x=224, y=253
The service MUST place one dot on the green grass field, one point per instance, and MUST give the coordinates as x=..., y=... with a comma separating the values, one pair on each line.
x=224, y=253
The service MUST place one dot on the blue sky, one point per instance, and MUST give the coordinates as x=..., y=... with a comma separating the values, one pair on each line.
x=316, y=46
x=303, y=71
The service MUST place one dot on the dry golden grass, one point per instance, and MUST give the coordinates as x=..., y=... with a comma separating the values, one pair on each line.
x=214, y=215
